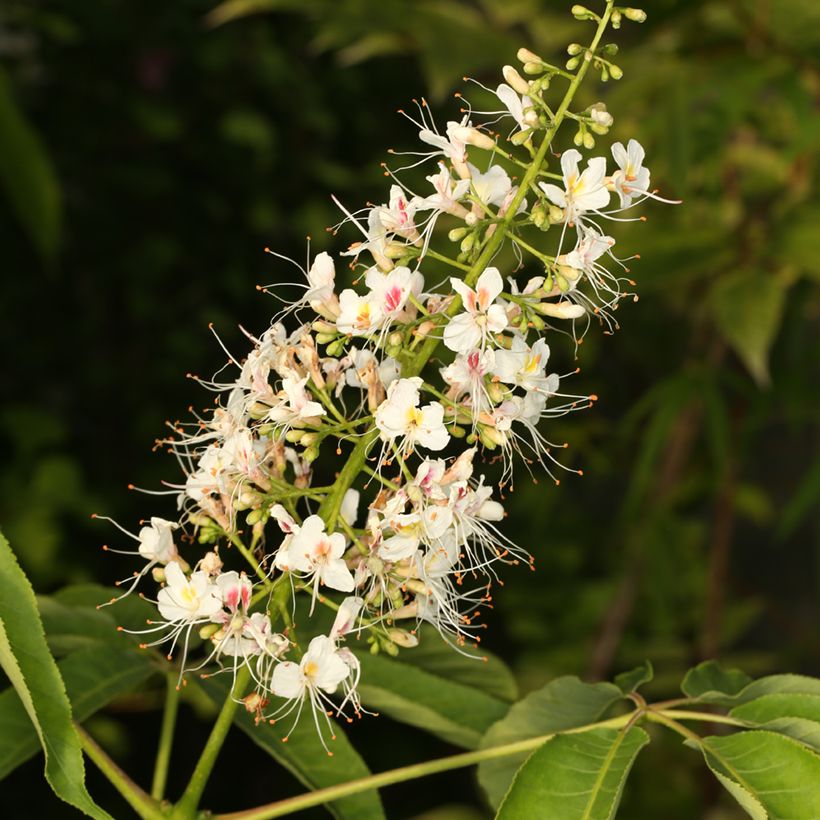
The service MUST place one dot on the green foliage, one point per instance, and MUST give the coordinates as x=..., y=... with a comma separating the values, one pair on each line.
x=27, y=177
x=574, y=776
x=25, y=658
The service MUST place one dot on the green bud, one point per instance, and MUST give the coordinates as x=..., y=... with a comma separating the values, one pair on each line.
x=615, y=19
x=403, y=638
x=616, y=72
x=467, y=243
x=526, y=56
x=573, y=49
x=457, y=234
x=395, y=338
x=562, y=283
x=309, y=438
x=472, y=438
x=311, y=454
x=457, y=432
x=537, y=322
x=255, y=516
x=496, y=392
x=556, y=215
x=573, y=63
x=294, y=436
x=580, y=12
x=538, y=215
x=335, y=349
x=324, y=338
x=520, y=137
x=208, y=631
x=393, y=350
x=374, y=648
x=635, y=15
x=486, y=438
x=610, y=49
x=533, y=68
x=578, y=139
x=158, y=574
x=589, y=141
x=391, y=649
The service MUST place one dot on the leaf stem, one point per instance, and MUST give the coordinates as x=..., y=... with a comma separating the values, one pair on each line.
x=143, y=804
x=166, y=737
x=412, y=772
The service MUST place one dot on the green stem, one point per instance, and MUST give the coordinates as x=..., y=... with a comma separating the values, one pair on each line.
x=143, y=804
x=248, y=556
x=709, y=717
x=166, y=737
x=187, y=806
x=376, y=781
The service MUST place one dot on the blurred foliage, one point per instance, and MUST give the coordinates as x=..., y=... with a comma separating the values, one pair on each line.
x=186, y=137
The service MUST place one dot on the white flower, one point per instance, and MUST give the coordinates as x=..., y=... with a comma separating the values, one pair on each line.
x=448, y=195
x=156, y=542
x=346, y=617
x=400, y=417
x=390, y=291
x=592, y=246
x=582, y=192
x=516, y=105
x=397, y=216
x=466, y=375
x=321, y=281
x=187, y=599
x=359, y=315
x=492, y=187
x=451, y=146
x=481, y=317
x=631, y=179
x=311, y=551
x=296, y=404
x=524, y=366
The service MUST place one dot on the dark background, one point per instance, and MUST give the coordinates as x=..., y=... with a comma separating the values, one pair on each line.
x=148, y=156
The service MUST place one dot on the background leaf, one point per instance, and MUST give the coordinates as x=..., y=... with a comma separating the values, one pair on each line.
x=27, y=177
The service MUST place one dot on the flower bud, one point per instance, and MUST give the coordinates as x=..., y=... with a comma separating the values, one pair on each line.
x=533, y=68
x=208, y=631
x=531, y=117
x=311, y=454
x=211, y=563
x=255, y=516
x=402, y=638
x=615, y=19
x=309, y=438
x=457, y=234
x=158, y=574
x=537, y=322
x=515, y=80
x=616, y=72
x=324, y=338
x=457, y=432
x=395, y=338
x=472, y=136
x=574, y=49
x=294, y=436
x=527, y=56
x=336, y=348
x=635, y=15
x=560, y=310
x=468, y=242
x=495, y=392
x=589, y=141
x=321, y=326
x=580, y=12
x=490, y=437
x=573, y=63
x=520, y=137
x=556, y=215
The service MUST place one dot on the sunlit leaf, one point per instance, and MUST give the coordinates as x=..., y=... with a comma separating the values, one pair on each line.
x=713, y=683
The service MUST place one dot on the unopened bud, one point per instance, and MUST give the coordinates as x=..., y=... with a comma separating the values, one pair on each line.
x=457, y=234
x=457, y=432
x=395, y=250
x=403, y=638
x=527, y=56
x=426, y=328
x=533, y=68
x=309, y=438
x=395, y=338
x=324, y=338
x=537, y=322
x=467, y=243
x=583, y=13
x=472, y=136
x=517, y=82
x=560, y=310
x=158, y=574
x=255, y=516
x=556, y=214
x=294, y=436
x=321, y=326
x=520, y=137
x=495, y=392
x=573, y=63
x=311, y=454
x=531, y=117
x=635, y=15
x=615, y=19
x=211, y=563
x=589, y=141
x=208, y=631
x=610, y=49
x=574, y=49
x=336, y=348
x=393, y=350
x=616, y=72
x=490, y=437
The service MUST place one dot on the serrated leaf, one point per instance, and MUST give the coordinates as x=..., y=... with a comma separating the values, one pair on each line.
x=28, y=177
x=778, y=705
x=478, y=669
x=748, y=802
x=574, y=777
x=630, y=681
x=130, y=612
x=564, y=703
x=33, y=673
x=713, y=683
x=780, y=774
x=779, y=684
x=69, y=628
x=93, y=677
x=457, y=713
x=804, y=731
x=304, y=756
x=748, y=307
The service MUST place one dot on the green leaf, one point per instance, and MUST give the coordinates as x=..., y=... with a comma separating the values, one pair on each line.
x=806, y=732
x=770, y=775
x=130, y=612
x=480, y=670
x=304, y=757
x=27, y=176
x=25, y=658
x=779, y=684
x=93, y=677
x=628, y=682
x=451, y=710
x=713, y=683
x=771, y=707
x=69, y=628
x=564, y=703
x=748, y=307
x=574, y=777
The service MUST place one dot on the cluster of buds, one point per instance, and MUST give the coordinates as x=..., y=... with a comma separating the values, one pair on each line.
x=409, y=530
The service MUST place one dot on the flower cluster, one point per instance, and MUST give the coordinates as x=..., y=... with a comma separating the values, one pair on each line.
x=407, y=531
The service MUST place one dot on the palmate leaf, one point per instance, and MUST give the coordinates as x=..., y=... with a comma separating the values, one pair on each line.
x=564, y=703
x=26, y=660
x=304, y=756
x=574, y=777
